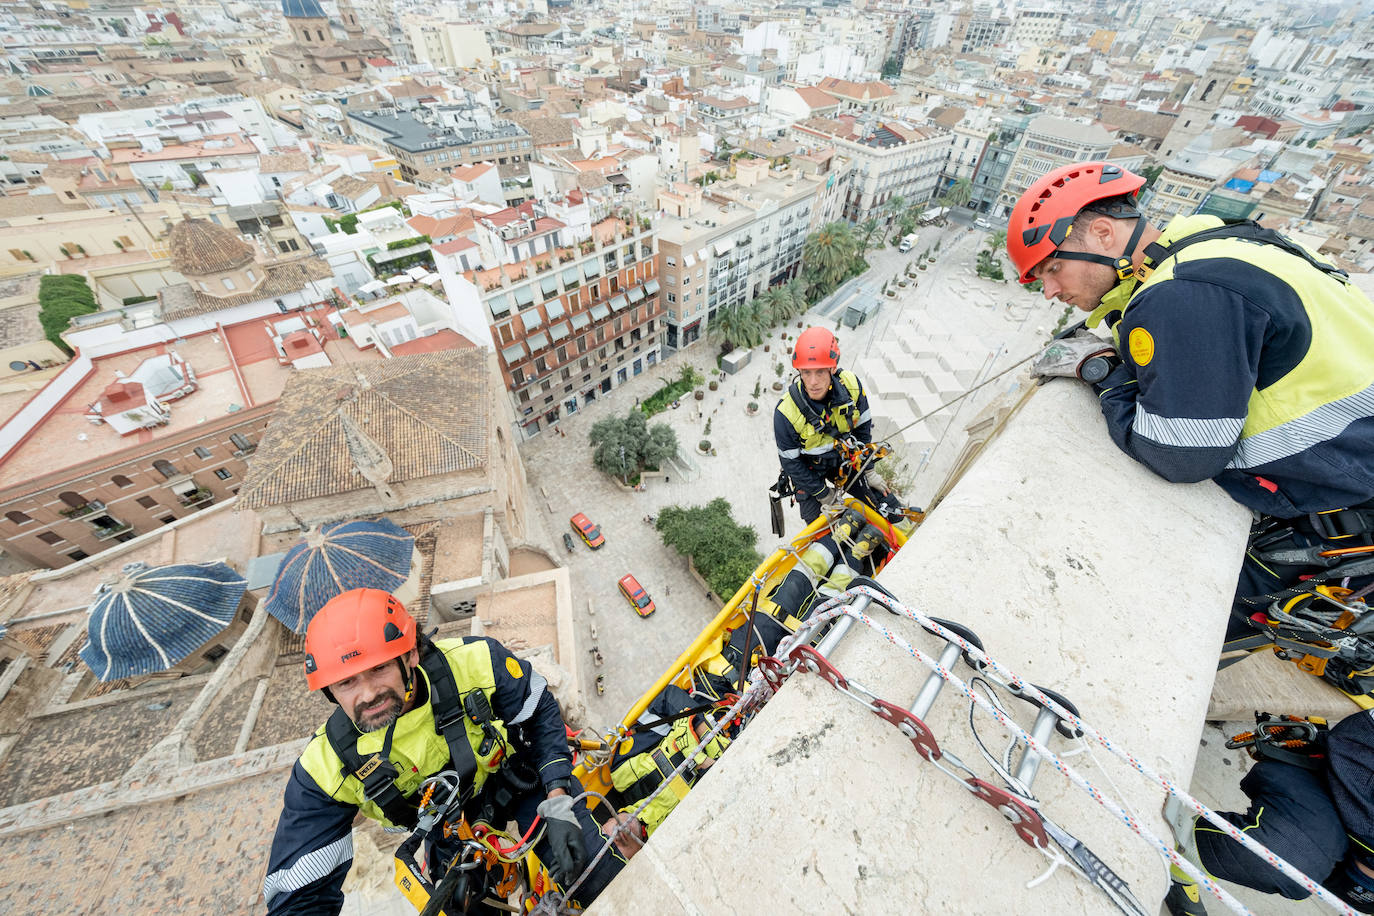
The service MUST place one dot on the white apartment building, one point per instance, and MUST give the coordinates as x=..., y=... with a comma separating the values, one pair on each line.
x=725, y=244
x=1050, y=142
x=891, y=158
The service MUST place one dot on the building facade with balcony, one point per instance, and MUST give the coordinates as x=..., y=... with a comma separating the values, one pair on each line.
x=571, y=319
x=891, y=158
x=1048, y=143
x=724, y=245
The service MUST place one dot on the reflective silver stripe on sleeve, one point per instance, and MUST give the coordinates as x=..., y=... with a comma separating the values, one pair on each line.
x=790, y=452
x=1187, y=431
x=537, y=686
x=1287, y=439
x=308, y=868
x=864, y=417
x=820, y=450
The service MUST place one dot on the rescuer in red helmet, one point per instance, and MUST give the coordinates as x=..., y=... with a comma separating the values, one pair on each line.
x=1244, y=358
x=407, y=709
x=822, y=408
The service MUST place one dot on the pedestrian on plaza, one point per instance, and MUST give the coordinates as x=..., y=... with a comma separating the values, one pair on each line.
x=392, y=688
x=1239, y=356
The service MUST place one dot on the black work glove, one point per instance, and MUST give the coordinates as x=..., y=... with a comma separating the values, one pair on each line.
x=567, y=857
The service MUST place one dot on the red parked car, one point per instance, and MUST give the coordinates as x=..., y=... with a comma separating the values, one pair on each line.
x=635, y=594
x=587, y=531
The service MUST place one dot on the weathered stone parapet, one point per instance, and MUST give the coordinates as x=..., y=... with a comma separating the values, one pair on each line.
x=1082, y=572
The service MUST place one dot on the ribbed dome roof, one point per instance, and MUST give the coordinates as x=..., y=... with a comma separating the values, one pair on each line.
x=199, y=247
x=302, y=9
x=335, y=559
x=150, y=619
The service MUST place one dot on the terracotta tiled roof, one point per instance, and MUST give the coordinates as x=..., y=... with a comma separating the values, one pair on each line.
x=182, y=300
x=429, y=413
x=816, y=98
x=200, y=247
x=284, y=162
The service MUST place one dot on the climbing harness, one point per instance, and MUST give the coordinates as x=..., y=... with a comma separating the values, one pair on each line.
x=1293, y=740
x=1326, y=630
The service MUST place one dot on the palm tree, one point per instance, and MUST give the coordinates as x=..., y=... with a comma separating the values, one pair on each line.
x=867, y=229
x=796, y=288
x=997, y=240
x=736, y=325
x=958, y=194
x=828, y=254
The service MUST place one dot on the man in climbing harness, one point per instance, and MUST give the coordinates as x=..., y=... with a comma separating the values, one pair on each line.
x=409, y=708
x=1243, y=358
x=824, y=408
x=1311, y=797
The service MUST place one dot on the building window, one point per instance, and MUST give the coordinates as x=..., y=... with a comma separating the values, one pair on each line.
x=240, y=442
x=672, y=297
x=73, y=499
x=120, y=480
x=228, y=284
x=165, y=468
x=222, y=474
x=202, y=452
x=147, y=502
x=17, y=517
x=252, y=277
x=49, y=537
x=78, y=555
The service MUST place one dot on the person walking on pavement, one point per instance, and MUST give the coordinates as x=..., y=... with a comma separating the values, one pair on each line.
x=1311, y=801
x=1239, y=356
x=407, y=709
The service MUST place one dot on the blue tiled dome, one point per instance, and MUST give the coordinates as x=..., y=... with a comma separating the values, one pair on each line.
x=302, y=9
x=334, y=559
x=153, y=618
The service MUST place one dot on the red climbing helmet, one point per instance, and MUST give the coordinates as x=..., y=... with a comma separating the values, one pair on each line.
x=816, y=348
x=1041, y=219
x=353, y=632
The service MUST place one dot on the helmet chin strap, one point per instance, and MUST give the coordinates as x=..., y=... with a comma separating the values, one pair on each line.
x=1123, y=265
x=408, y=679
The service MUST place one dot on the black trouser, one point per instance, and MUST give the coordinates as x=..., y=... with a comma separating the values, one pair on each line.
x=810, y=506
x=1302, y=815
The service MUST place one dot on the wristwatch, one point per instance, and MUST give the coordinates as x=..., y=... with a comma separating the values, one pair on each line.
x=564, y=784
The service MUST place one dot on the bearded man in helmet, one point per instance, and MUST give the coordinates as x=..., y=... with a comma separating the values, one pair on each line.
x=409, y=708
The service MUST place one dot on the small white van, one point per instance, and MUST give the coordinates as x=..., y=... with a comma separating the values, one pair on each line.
x=908, y=242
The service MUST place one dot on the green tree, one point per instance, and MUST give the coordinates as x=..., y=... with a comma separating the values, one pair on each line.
x=737, y=325
x=61, y=297
x=1151, y=173
x=892, y=67
x=998, y=240
x=827, y=256
x=626, y=445
x=721, y=549
x=867, y=230
x=959, y=193
x=989, y=266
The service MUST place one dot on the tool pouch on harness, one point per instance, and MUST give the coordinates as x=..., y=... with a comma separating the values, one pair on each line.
x=776, y=493
x=1286, y=739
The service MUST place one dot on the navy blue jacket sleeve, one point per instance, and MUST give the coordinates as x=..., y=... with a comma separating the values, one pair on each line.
x=312, y=850
x=1190, y=357
x=525, y=702
x=789, y=455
